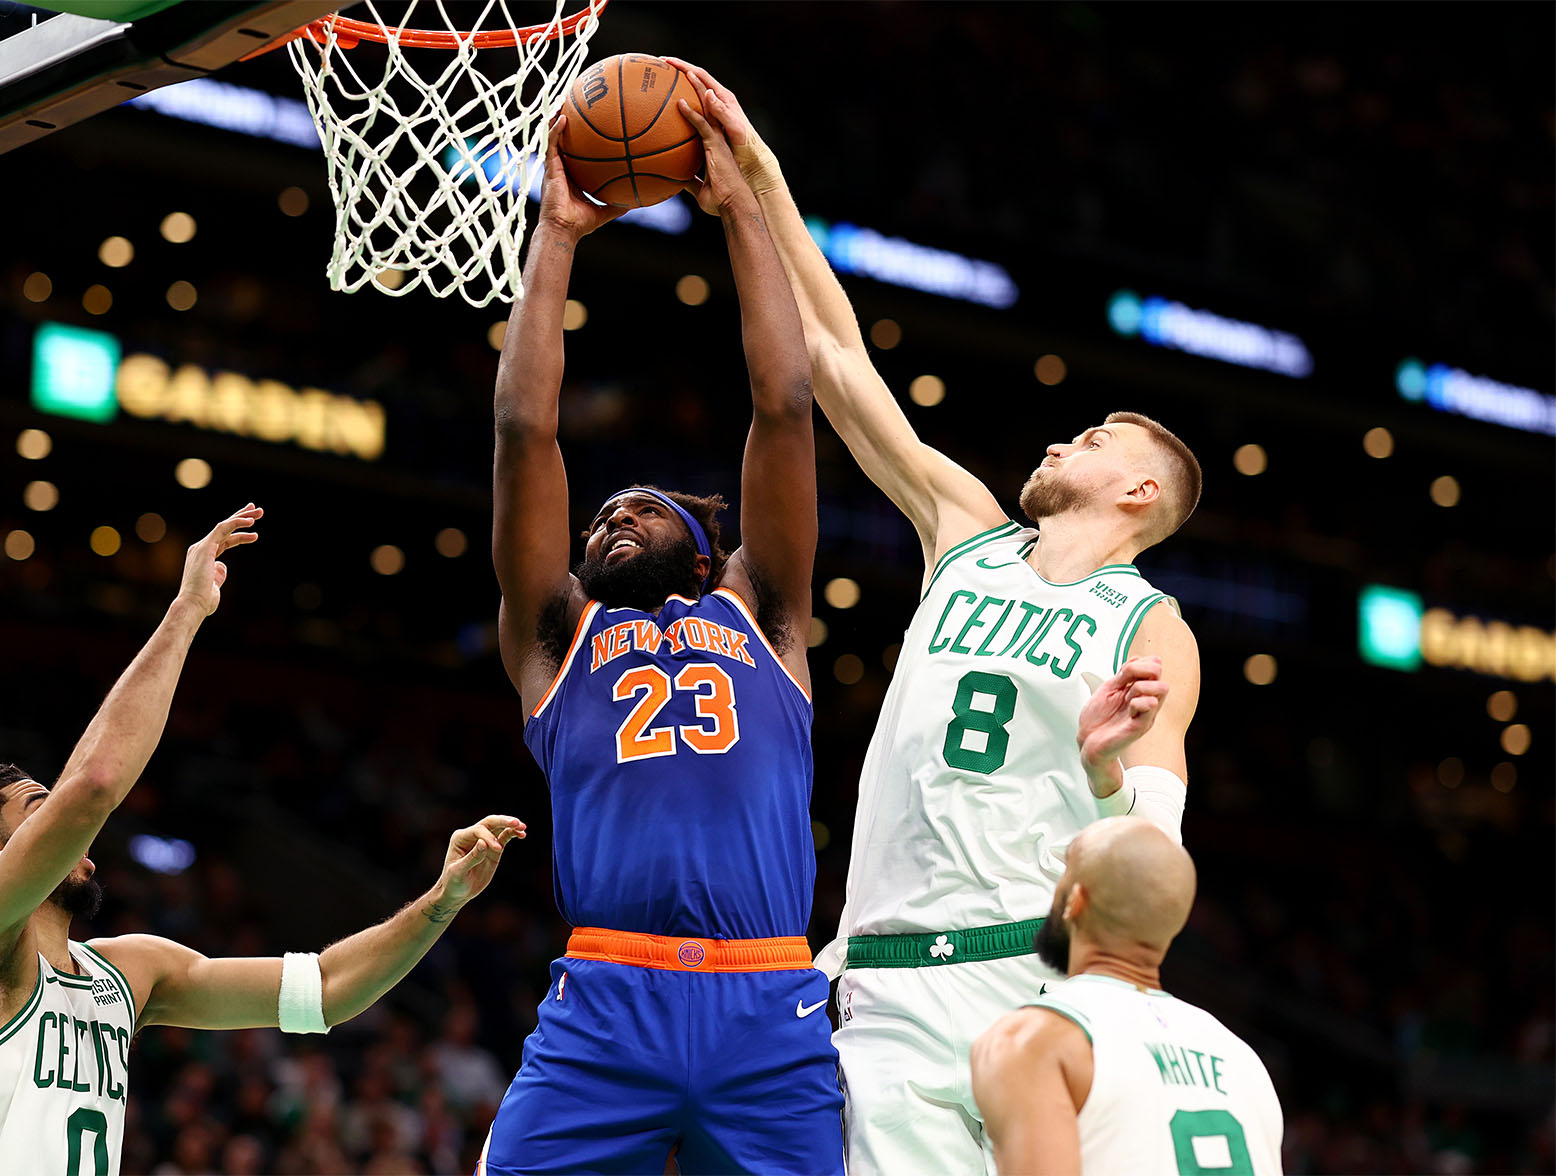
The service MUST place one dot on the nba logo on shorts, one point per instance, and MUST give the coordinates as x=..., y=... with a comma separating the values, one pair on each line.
x=691, y=954
x=561, y=986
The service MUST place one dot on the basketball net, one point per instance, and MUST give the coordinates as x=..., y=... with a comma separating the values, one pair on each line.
x=431, y=163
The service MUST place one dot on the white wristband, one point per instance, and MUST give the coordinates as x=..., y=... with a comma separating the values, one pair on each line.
x=1119, y=803
x=1159, y=797
x=301, y=1007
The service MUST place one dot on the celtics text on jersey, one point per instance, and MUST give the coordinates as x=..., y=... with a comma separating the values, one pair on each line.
x=973, y=785
x=65, y=1071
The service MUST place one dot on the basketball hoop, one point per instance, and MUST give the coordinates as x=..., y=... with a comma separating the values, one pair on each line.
x=430, y=167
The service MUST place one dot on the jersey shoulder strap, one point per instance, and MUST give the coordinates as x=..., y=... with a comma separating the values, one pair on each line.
x=1066, y=1010
x=1005, y=530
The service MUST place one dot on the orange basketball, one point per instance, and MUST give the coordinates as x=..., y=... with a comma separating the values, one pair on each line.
x=626, y=142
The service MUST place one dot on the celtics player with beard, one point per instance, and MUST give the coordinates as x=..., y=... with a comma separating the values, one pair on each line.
x=1105, y=1072
x=69, y=1010
x=974, y=785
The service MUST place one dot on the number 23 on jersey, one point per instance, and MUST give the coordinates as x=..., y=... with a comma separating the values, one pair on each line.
x=718, y=726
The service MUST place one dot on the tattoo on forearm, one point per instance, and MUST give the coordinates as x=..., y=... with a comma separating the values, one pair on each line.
x=439, y=912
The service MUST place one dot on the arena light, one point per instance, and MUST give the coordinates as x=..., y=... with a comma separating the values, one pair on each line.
x=230, y=107
x=855, y=250
x=1480, y=398
x=266, y=410
x=1164, y=323
x=72, y=372
x=1389, y=627
x=163, y=855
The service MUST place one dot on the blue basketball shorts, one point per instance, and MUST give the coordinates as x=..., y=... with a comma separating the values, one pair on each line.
x=735, y=1071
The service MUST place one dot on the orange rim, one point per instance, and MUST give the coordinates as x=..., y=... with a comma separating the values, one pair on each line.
x=349, y=33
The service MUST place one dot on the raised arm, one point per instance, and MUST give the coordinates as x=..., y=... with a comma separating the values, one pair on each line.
x=778, y=477
x=530, y=536
x=174, y=985
x=117, y=743
x=945, y=503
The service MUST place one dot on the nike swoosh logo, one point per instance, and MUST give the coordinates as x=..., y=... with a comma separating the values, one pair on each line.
x=994, y=567
x=801, y=1009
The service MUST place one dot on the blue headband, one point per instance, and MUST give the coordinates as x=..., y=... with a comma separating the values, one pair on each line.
x=699, y=536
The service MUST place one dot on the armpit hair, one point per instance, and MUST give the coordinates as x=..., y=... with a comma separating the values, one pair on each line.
x=551, y=631
x=771, y=617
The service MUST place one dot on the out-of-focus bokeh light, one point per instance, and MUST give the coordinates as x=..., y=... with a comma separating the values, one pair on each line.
x=178, y=227
x=193, y=473
x=34, y=444
x=116, y=252
x=927, y=391
x=1250, y=460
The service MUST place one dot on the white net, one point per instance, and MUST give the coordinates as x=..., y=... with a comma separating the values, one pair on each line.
x=432, y=151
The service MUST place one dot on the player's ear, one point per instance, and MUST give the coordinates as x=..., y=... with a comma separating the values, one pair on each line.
x=1144, y=492
x=702, y=566
x=1076, y=902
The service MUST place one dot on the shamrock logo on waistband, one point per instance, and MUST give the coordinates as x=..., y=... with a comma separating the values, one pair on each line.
x=941, y=949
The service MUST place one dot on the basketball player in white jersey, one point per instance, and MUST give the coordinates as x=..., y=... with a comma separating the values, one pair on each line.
x=69, y=1010
x=1105, y=1072
x=974, y=786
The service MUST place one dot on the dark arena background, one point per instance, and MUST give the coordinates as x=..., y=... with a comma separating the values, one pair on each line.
x=1315, y=241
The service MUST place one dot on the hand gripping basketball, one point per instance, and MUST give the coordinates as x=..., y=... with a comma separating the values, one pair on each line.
x=562, y=204
x=723, y=185
x=757, y=162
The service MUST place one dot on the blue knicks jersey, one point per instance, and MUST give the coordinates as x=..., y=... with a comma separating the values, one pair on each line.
x=677, y=748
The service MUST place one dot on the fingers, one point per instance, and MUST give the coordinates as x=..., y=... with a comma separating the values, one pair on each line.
x=554, y=137
x=1138, y=669
x=503, y=828
x=220, y=572
x=698, y=122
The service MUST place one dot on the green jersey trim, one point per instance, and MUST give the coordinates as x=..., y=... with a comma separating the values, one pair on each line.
x=1065, y=1011
x=1106, y=569
x=1127, y=637
x=67, y=980
x=10, y=1028
x=1008, y=527
x=930, y=949
x=119, y=977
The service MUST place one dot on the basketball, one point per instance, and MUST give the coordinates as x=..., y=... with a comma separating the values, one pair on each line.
x=625, y=142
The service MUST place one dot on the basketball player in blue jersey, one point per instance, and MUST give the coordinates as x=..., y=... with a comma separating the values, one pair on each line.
x=667, y=700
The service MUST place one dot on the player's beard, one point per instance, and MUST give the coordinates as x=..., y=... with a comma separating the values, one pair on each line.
x=1049, y=494
x=645, y=579
x=78, y=897
x=1052, y=944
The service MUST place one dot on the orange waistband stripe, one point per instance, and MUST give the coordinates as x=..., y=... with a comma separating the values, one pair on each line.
x=679, y=954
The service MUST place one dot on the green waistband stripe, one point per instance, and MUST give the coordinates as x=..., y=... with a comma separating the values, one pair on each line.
x=932, y=948
x=966, y=545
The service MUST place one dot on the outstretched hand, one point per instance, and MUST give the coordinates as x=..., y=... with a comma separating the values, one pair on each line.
x=757, y=164
x=721, y=183
x=562, y=203
x=1118, y=713
x=204, y=572
x=473, y=854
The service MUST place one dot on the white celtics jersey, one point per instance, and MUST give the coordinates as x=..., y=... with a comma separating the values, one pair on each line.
x=973, y=786
x=1173, y=1090
x=64, y=1071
